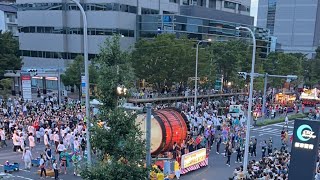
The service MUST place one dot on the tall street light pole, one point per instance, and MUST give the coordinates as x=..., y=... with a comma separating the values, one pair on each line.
x=86, y=73
x=196, y=74
x=246, y=150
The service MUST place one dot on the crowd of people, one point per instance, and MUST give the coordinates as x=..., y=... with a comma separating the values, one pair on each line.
x=58, y=132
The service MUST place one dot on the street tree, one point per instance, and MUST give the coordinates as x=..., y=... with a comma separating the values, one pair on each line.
x=278, y=63
x=9, y=53
x=72, y=75
x=121, y=149
x=5, y=87
x=166, y=59
x=230, y=57
x=114, y=69
x=119, y=142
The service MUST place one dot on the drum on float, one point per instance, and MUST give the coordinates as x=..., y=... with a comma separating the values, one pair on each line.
x=167, y=127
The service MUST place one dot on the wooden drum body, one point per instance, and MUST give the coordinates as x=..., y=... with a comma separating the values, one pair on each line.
x=167, y=127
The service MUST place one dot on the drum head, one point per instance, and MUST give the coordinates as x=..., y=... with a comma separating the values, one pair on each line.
x=156, y=132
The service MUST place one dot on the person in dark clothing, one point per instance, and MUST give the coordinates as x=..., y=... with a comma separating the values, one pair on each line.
x=239, y=154
x=270, y=147
x=219, y=140
x=229, y=152
x=254, y=148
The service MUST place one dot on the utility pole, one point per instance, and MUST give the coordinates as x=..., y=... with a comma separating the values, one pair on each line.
x=148, y=138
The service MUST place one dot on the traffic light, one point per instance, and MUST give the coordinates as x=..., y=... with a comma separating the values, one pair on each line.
x=243, y=75
x=33, y=72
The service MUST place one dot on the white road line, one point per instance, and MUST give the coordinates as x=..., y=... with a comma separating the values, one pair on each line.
x=23, y=177
x=261, y=134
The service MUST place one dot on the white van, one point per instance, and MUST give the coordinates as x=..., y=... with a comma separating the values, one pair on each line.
x=235, y=111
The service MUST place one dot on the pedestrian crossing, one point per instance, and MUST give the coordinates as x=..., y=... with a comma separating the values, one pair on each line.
x=272, y=130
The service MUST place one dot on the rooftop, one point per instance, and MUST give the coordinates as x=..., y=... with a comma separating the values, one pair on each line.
x=8, y=8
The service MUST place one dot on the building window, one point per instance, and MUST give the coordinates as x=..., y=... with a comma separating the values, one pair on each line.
x=229, y=5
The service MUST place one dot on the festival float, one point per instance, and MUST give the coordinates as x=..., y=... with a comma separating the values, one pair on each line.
x=310, y=97
x=167, y=127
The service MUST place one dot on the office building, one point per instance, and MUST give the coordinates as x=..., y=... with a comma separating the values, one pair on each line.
x=8, y=19
x=50, y=33
x=296, y=24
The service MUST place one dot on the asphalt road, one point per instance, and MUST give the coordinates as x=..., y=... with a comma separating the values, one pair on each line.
x=7, y=154
x=217, y=169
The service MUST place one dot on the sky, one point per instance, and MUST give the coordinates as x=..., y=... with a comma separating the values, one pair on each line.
x=254, y=10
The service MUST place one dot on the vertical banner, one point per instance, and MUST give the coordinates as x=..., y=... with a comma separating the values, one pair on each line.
x=26, y=86
x=304, y=151
x=83, y=86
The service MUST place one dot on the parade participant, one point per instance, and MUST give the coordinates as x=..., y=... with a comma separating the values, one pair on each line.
x=46, y=138
x=219, y=140
x=75, y=159
x=3, y=137
x=42, y=166
x=60, y=147
x=26, y=157
x=229, y=152
x=16, y=142
x=48, y=155
x=32, y=143
x=56, y=140
x=55, y=169
x=64, y=160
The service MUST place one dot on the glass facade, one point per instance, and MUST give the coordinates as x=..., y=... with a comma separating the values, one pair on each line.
x=91, y=31
x=272, y=5
x=199, y=28
x=53, y=55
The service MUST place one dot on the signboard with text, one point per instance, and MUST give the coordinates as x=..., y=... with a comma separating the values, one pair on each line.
x=304, y=151
x=26, y=86
x=83, y=86
x=193, y=158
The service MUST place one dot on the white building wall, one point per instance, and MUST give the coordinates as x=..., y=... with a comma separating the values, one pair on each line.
x=2, y=21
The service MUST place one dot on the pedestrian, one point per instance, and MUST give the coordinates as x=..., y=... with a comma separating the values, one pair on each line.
x=32, y=143
x=270, y=146
x=239, y=159
x=55, y=169
x=42, y=166
x=64, y=160
x=229, y=152
x=48, y=154
x=3, y=137
x=38, y=136
x=26, y=157
x=75, y=159
x=219, y=140
x=263, y=148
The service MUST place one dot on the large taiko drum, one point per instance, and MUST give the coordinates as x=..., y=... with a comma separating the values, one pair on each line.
x=167, y=127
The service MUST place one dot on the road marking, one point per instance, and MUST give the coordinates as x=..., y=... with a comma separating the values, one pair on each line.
x=261, y=134
x=23, y=177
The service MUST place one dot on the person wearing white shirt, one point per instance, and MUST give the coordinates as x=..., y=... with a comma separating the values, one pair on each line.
x=56, y=139
x=27, y=156
x=76, y=145
x=46, y=139
x=32, y=143
x=3, y=137
x=60, y=147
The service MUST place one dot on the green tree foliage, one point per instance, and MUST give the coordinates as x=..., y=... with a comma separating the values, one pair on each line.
x=9, y=53
x=5, y=87
x=231, y=57
x=283, y=64
x=72, y=75
x=114, y=69
x=121, y=147
x=312, y=69
x=167, y=59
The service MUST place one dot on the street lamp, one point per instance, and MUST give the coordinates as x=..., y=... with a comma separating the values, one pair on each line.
x=196, y=73
x=246, y=150
x=121, y=90
x=86, y=73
